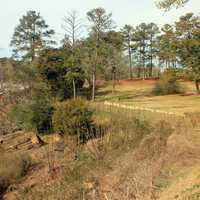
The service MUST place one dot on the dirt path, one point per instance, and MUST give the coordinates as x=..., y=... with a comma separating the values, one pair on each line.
x=136, y=108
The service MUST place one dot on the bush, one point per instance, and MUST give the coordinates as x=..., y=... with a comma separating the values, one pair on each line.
x=72, y=117
x=35, y=112
x=58, y=69
x=12, y=167
x=41, y=107
x=21, y=115
x=167, y=85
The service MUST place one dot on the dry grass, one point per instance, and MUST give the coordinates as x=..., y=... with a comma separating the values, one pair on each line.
x=12, y=168
x=187, y=187
x=161, y=159
x=142, y=156
x=138, y=93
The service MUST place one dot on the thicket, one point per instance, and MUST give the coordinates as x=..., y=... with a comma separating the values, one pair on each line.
x=125, y=131
x=53, y=76
x=12, y=168
x=73, y=117
x=60, y=70
x=168, y=84
x=35, y=111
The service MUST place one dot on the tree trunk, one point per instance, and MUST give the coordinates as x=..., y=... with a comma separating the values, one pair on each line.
x=33, y=41
x=151, y=60
x=140, y=64
x=151, y=66
x=197, y=82
x=144, y=69
x=93, y=85
x=130, y=63
x=114, y=81
x=143, y=61
x=74, y=88
x=138, y=71
x=151, y=70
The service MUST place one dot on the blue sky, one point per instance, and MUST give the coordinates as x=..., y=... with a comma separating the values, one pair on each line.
x=124, y=12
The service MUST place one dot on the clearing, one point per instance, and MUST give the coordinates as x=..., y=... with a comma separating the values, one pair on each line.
x=139, y=93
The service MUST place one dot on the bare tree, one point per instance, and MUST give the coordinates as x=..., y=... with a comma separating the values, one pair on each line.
x=73, y=29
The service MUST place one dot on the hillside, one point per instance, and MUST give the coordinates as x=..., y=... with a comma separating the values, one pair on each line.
x=137, y=158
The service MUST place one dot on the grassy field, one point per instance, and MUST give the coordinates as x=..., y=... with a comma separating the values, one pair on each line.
x=139, y=93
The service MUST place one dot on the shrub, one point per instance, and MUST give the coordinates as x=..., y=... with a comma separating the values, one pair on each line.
x=21, y=116
x=72, y=117
x=12, y=167
x=167, y=85
x=36, y=112
x=58, y=69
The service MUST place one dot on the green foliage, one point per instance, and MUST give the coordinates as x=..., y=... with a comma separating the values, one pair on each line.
x=109, y=56
x=58, y=68
x=124, y=132
x=144, y=47
x=21, y=115
x=72, y=117
x=36, y=113
x=30, y=36
x=42, y=109
x=188, y=33
x=167, y=85
x=101, y=21
x=168, y=4
x=127, y=34
x=167, y=46
x=12, y=167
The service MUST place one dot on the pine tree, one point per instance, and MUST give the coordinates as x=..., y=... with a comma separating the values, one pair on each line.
x=127, y=33
x=188, y=33
x=168, y=4
x=153, y=30
x=100, y=23
x=167, y=46
x=31, y=36
x=141, y=38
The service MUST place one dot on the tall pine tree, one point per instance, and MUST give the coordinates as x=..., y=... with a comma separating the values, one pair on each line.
x=31, y=36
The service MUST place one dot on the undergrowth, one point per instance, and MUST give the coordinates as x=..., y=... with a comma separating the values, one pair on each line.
x=167, y=85
x=12, y=168
x=125, y=132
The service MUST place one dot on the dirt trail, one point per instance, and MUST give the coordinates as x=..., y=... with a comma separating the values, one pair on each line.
x=118, y=105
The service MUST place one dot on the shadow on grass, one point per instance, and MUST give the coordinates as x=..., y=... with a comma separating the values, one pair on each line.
x=122, y=96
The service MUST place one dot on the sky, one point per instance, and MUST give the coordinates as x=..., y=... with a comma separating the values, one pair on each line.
x=124, y=12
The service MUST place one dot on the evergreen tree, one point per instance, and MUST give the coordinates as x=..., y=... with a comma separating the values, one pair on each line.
x=141, y=38
x=127, y=33
x=57, y=69
x=188, y=33
x=153, y=30
x=100, y=23
x=31, y=36
x=167, y=46
x=168, y=4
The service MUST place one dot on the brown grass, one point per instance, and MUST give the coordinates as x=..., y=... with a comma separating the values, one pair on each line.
x=139, y=93
x=12, y=168
x=143, y=156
